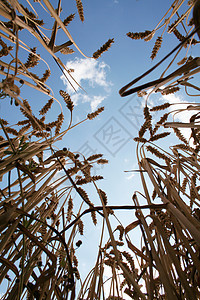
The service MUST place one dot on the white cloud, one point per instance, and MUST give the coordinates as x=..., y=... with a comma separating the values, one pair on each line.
x=178, y=104
x=183, y=116
x=96, y=101
x=90, y=73
x=93, y=100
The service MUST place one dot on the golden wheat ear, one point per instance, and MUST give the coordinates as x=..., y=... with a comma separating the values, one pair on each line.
x=80, y=9
x=103, y=48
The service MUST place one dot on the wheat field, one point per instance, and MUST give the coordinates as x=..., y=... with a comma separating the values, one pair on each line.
x=38, y=223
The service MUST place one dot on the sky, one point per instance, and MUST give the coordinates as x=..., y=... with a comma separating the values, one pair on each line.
x=113, y=131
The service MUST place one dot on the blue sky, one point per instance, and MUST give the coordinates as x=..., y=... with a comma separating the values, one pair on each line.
x=113, y=131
